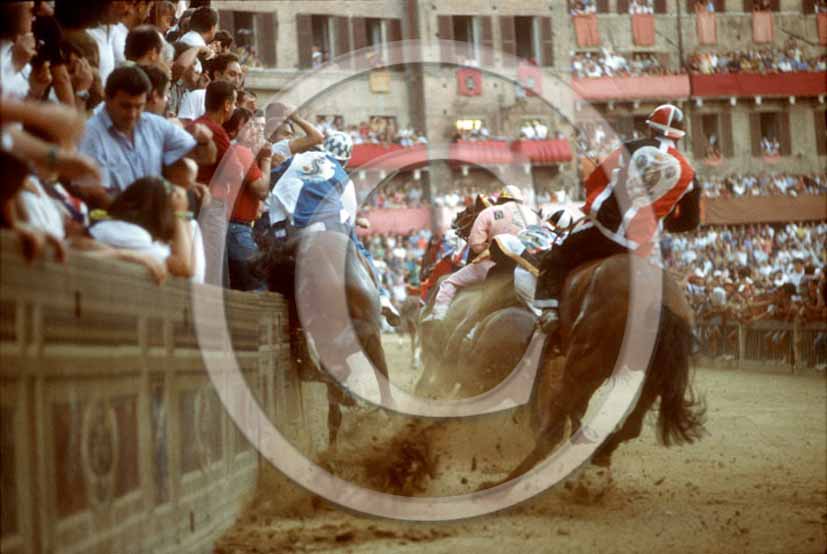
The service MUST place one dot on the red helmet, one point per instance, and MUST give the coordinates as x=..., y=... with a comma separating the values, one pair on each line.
x=668, y=121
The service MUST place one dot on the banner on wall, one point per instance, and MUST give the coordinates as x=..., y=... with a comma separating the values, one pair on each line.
x=643, y=29
x=530, y=78
x=585, y=27
x=707, y=28
x=469, y=81
x=821, y=21
x=395, y=220
x=762, y=27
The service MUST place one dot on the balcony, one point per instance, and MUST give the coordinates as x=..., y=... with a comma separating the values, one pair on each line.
x=809, y=83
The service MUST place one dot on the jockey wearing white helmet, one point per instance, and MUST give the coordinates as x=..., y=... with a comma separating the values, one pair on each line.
x=628, y=197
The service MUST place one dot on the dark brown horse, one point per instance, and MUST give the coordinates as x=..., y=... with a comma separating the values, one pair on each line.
x=316, y=280
x=594, y=311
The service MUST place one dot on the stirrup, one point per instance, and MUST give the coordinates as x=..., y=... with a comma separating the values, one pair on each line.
x=389, y=311
x=549, y=321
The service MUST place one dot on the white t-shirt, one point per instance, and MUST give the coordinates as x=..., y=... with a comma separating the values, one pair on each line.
x=103, y=35
x=14, y=83
x=119, y=33
x=192, y=104
x=193, y=40
x=43, y=211
x=128, y=236
x=199, y=261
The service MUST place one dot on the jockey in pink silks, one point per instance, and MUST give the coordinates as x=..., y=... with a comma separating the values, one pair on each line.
x=509, y=217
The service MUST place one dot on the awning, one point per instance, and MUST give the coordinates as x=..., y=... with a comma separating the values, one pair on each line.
x=800, y=83
x=668, y=87
x=389, y=157
x=543, y=152
x=483, y=152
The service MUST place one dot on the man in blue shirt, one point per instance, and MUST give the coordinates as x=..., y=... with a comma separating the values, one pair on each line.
x=130, y=143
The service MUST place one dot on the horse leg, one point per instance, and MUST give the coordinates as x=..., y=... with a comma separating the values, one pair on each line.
x=334, y=414
x=630, y=430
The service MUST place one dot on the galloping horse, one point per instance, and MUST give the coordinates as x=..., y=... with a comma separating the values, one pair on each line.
x=594, y=310
x=278, y=264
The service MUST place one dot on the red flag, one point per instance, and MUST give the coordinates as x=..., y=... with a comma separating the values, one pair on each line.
x=643, y=29
x=821, y=20
x=585, y=26
x=469, y=81
x=762, y=29
x=706, y=26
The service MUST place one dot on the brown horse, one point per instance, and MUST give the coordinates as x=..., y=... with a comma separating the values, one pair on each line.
x=594, y=310
x=279, y=264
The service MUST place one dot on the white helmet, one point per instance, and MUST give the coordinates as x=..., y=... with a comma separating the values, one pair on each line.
x=561, y=219
x=511, y=192
x=339, y=145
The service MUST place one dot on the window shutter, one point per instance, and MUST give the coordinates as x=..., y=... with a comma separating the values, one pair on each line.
x=698, y=138
x=784, y=136
x=487, y=40
x=267, y=33
x=360, y=32
x=342, y=35
x=394, y=30
x=304, y=35
x=226, y=21
x=775, y=5
x=747, y=6
x=660, y=6
x=720, y=6
x=393, y=33
x=622, y=6
x=808, y=6
x=547, y=38
x=509, y=44
x=603, y=6
x=821, y=132
x=755, y=133
x=725, y=124
x=445, y=31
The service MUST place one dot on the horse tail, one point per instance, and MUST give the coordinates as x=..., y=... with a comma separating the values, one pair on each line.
x=682, y=414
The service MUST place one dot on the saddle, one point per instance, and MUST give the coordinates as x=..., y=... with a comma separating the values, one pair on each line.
x=525, y=250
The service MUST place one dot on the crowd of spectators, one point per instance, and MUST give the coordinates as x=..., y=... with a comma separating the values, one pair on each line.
x=398, y=258
x=764, y=60
x=763, y=184
x=609, y=63
x=123, y=122
x=743, y=274
x=377, y=130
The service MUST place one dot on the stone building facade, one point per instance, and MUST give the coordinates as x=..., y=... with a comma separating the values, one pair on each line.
x=491, y=32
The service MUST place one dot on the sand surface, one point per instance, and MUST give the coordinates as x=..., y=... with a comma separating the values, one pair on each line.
x=756, y=483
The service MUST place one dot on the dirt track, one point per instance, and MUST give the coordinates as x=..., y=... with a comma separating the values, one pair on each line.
x=756, y=483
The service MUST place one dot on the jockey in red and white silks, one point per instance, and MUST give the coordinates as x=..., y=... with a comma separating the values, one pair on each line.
x=627, y=198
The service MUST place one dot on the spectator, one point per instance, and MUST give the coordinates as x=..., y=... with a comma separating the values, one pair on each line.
x=17, y=48
x=247, y=100
x=144, y=45
x=105, y=37
x=129, y=143
x=203, y=25
x=224, y=67
x=156, y=102
x=133, y=13
x=249, y=150
x=162, y=15
x=147, y=225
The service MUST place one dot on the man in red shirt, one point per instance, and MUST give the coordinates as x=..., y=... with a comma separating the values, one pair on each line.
x=220, y=103
x=627, y=198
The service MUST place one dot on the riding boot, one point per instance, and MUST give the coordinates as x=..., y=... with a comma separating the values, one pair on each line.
x=389, y=311
x=549, y=288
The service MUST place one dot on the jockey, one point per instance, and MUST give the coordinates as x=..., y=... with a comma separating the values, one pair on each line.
x=627, y=198
x=316, y=194
x=508, y=217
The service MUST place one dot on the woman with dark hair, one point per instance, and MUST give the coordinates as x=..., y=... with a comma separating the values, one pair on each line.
x=148, y=224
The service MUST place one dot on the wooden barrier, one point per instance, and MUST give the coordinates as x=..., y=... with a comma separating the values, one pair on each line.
x=112, y=437
x=776, y=343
